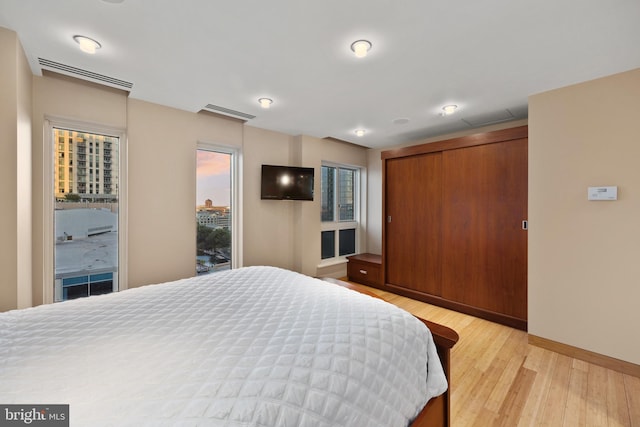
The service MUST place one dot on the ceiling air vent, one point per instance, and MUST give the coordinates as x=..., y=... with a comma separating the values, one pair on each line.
x=228, y=112
x=489, y=118
x=84, y=74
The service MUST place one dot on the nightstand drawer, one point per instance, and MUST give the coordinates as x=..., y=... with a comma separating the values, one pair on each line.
x=365, y=269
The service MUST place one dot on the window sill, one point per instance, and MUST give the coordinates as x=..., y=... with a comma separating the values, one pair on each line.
x=332, y=262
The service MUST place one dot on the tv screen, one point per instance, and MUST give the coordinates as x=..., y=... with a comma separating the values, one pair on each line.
x=286, y=183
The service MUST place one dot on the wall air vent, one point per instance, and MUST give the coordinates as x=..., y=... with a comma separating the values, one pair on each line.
x=84, y=74
x=228, y=112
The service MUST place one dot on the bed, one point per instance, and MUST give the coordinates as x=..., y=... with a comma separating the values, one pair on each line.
x=256, y=346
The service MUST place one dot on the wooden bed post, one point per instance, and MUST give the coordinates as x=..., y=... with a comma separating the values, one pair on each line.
x=437, y=411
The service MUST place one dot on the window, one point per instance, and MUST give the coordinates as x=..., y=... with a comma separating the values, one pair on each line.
x=339, y=211
x=216, y=210
x=86, y=285
x=86, y=226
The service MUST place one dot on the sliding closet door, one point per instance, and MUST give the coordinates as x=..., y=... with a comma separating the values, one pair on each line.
x=484, y=246
x=412, y=228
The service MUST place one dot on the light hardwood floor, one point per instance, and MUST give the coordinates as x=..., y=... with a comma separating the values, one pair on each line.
x=498, y=379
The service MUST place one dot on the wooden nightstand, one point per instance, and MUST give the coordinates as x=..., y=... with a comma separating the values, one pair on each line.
x=365, y=269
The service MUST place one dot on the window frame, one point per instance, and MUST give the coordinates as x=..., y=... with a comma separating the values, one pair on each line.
x=48, y=192
x=336, y=224
x=236, y=198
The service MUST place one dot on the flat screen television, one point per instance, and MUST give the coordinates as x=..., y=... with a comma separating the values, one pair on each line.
x=286, y=183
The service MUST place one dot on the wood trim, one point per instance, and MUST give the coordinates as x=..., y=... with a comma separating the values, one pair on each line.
x=491, y=316
x=383, y=255
x=586, y=355
x=436, y=412
x=443, y=336
x=367, y=257
x=461, y=142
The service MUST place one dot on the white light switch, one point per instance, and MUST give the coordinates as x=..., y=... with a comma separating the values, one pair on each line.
x=603, y=193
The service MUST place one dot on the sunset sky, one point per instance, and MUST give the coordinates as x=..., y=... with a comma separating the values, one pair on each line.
x=213, y=178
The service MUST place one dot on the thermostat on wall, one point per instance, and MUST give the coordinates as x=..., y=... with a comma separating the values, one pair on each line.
x=603, y=193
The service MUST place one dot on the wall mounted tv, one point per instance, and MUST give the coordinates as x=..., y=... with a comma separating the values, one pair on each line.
x=286, y=183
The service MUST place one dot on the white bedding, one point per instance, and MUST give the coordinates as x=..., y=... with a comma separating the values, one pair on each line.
x=257, y=346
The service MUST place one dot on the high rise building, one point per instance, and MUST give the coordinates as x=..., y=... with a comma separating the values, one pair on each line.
x=87, y=165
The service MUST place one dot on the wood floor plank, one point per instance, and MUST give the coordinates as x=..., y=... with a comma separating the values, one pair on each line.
x=511, y=359
x=484, y=418
x=516, y=397
x=580, y=365
x=632, y=389
x=477, y=407
x=467, y=402
x=499, y=338
x=596, y=403
x=617, y=409
x=575, y=412
x=542, y=362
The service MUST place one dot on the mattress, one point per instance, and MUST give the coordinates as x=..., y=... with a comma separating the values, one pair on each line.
x=256, y=346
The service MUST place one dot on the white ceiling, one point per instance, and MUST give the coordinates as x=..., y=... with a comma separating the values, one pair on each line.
x=485, y=56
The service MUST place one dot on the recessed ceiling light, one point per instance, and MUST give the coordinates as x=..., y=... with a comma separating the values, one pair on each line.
x=449, y=109
x=359, y=132
x=87, y=45
x=361, y=48
x=265, y=102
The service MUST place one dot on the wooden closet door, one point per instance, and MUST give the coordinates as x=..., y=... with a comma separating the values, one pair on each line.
x=484, y=246
x=413, y=192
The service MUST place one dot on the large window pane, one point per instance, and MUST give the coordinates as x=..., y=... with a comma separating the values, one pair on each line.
x=328, y=193
x=347, y=242
x=345, y=200
x=328, y=249
x=213, y=211
x=339, y=211
x=86, y=213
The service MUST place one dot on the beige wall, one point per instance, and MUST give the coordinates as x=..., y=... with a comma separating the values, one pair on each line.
x=268, y=233
x=15, y=173
x=584, y=265
x=286, y=233
x=162, y=187
x=24, y=87
x=374, y=169
x=8, y=173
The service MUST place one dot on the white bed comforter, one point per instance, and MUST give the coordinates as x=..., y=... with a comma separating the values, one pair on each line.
x=258, y=346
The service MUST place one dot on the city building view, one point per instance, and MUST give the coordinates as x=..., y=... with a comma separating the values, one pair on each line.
x=86, y=214
x=213, y=238
x=86, y=180
x=213, y=221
